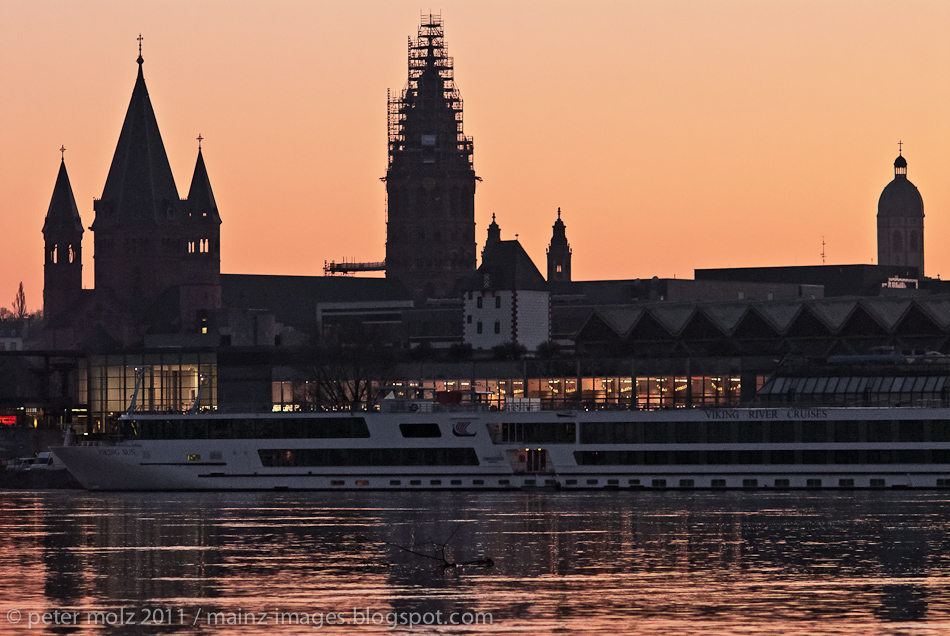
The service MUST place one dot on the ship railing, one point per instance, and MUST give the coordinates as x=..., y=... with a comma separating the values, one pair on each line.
x=434, y=406
x=548, y=404
x=98, y=439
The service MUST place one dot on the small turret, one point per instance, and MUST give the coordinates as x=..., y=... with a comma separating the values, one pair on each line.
x=201, y=267
x=559, y=253
x=494, y=236
x=62, y=235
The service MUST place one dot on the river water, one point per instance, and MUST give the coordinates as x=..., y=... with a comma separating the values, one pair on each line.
x=367, y=563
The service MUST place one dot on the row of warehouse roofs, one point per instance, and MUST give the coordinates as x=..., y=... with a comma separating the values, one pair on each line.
x=869, y=316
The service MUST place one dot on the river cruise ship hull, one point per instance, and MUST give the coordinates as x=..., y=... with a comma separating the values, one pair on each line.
x=424, y=446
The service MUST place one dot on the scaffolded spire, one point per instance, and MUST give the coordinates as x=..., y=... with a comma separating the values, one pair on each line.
x=430, y=183
x=425, y=121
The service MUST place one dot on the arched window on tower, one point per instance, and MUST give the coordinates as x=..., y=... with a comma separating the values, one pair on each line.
x=897, y=241
x=914, y=241
x=52, y=254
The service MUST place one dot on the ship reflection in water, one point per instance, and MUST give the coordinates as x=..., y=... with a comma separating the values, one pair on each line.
x=565, y=563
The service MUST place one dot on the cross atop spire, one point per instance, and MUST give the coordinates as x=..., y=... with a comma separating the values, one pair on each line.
x=62, y=151
x=199, y=138
x=899, y=146
x=141, y=59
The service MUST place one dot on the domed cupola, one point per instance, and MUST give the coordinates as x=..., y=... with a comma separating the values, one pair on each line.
x=900, y=197
x=900, y=221
x=900, y=165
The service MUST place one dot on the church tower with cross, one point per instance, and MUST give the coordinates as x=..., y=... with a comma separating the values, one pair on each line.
x=150, y=245
x=62, y=236
x=559, y=253
x=157, y=256
x=900, y=221
x=430, y=183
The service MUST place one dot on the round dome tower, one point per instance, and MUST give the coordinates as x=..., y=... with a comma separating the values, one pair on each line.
x=900, y=222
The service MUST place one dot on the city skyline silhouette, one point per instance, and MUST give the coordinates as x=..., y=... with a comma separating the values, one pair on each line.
x=672, y=138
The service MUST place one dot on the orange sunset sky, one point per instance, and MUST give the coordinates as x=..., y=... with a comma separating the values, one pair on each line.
x=673, y=135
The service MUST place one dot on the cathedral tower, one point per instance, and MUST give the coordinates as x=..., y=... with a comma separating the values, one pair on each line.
x=900, y=222
x=150, y=245
x=62, y=235
x=137, y=242
x=430, y=183
x=201, y=281
x=559, y=254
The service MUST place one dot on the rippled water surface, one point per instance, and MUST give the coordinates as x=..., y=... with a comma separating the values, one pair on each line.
x=560, y=563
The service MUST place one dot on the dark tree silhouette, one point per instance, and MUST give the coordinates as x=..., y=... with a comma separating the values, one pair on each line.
x=19, y=304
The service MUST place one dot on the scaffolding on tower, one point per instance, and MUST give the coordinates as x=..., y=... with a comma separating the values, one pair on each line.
x=426, y=118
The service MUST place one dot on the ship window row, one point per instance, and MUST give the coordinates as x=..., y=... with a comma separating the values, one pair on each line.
x=534, y=432
x=771, y=457
x=778, y=432
x=648, y=392
x=251, y=428
x=362, y=457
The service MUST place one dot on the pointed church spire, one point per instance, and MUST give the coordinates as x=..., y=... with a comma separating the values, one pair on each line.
x=63, y=215
x=62, y=236
x=494, y=232
x=140, y=189
x=559, y=253
x=560, y=231
x=494, y=237
x=201, y=204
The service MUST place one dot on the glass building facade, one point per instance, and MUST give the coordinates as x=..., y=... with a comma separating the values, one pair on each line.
x=170, y=381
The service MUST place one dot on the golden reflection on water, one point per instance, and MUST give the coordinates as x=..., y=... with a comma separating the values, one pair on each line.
x=564, y=563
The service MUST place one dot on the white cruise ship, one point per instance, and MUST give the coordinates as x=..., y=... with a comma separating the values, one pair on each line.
x=413, y=444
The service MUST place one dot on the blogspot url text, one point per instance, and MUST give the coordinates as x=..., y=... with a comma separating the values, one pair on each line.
x=198, y=616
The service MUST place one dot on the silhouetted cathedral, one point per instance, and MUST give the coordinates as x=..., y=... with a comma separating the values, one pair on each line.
x=157, y=256
x=430, y=183
x=900, y=222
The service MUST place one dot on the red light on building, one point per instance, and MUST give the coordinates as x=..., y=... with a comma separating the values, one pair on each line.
x=7, y=420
